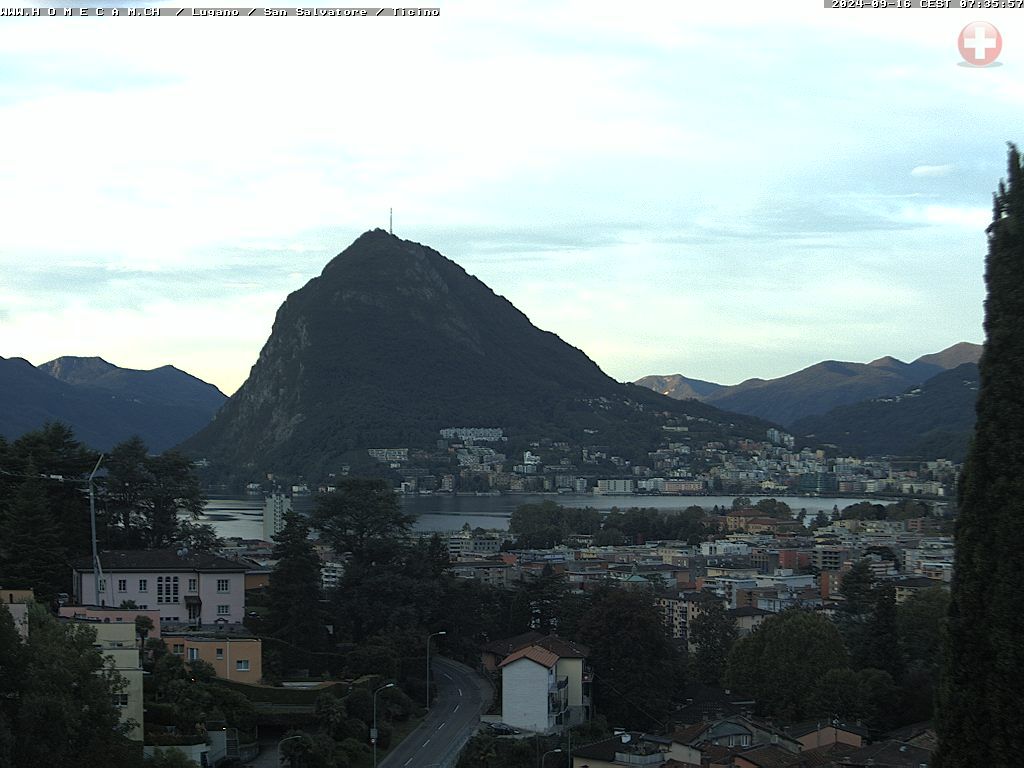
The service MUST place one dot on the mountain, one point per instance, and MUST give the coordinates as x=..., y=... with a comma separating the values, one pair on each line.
x=954, y=356
x=165, y=384
x=932, y=420
x=826, y=385
x=393, y=342
x=680, y=387
x=102, y=403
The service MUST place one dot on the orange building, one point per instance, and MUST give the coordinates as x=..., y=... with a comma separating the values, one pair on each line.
x=232, y=658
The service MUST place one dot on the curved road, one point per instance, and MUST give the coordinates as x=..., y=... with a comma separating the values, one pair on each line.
x=462, y=695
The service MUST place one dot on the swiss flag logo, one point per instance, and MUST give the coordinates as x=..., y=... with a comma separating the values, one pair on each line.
x=980, y=43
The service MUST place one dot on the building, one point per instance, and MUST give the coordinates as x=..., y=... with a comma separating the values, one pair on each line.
x=105, y=615
x=275, y=507
x=236, y=656
x=673, y=614
x=615, y=486
x=17, y=602
x=186, y=587
x=118, y=644
x=544, y=683
x=632, y=749
x=494, y=573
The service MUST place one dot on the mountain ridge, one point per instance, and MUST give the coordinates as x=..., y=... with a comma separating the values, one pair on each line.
x=825, y=385
x=102, y=403
x=393, y=341
x=934, y=419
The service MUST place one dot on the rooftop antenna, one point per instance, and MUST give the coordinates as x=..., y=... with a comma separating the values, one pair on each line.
x=391, y=221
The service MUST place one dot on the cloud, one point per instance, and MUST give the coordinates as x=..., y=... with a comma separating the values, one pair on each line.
x=932, y=170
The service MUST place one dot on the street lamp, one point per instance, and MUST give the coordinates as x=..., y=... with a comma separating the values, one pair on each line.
x=432, y=634
x=549, y=752
x=280, y=757
x=373, y=731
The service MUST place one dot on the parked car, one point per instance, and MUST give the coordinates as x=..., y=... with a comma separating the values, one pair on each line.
x=501, y=729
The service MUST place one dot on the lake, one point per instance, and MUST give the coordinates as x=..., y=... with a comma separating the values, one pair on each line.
x=242, y=516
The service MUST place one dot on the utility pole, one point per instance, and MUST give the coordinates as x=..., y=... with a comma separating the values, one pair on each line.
x=432, y=634
x=391, y=221
x=92, y=519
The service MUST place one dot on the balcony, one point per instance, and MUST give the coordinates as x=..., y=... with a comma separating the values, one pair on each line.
x=556, y=684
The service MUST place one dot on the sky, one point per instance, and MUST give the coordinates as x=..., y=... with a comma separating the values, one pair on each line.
x=721, y=192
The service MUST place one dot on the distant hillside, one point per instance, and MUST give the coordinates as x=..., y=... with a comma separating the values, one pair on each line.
x=679, y=386
x=393, y=342
x=820, y=387
x=932, y=420
x=954, y=356
x=164, y=384
x=102, y=403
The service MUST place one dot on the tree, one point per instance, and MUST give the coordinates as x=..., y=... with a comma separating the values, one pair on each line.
x=66, y=714
x=362, y=517
x=820, y=520
x=144, y=494
x=635, y=665
x=867, y=620
x=712, y=634
x=920, y=622
x=437, y=555
x=12, y=682
x=774, y=508
x=741, y=502
x=169, y=757
x=780, y=662
x=545, y=597
x=143, y=626
x=31, y=553
x=979, y=713
x=293, y=595
x=866, y=696
x=54, y=453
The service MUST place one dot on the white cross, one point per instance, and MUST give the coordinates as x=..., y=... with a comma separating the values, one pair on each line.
x=980, y=43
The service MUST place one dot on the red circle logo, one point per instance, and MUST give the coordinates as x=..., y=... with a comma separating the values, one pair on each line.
x=980, y=43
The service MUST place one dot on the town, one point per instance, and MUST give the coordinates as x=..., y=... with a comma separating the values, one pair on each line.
x=233, y=651
x=474, y=460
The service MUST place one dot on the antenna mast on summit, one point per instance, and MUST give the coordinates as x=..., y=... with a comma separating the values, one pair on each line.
x=391, y=221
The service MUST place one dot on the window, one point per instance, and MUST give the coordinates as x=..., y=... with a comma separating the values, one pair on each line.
x=223, y=585
x=220, y=653
x=103, y=585
x=192, y=584
x=193, y=654
x=178, y=648
x=142, y=585
x=159, y=589
x=223, y=610
x=242, y=665
x=122, y=585
x=119, y=699
x=174, y=589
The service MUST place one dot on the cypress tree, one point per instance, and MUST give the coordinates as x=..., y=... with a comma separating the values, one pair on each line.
x=979, y=700
x=293, y=594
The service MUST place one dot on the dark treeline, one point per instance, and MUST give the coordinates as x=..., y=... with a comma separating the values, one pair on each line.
x=44, y=506
x=545, y=525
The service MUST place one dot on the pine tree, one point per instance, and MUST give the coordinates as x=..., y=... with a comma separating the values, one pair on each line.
x=293, y=594
x=979, y=700
x=712, y=633
x=32, y=554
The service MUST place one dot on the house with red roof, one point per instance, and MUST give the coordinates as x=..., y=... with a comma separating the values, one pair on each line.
x=544, y=685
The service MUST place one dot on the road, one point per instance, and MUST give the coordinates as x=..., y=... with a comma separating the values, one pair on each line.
x=461, y=696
